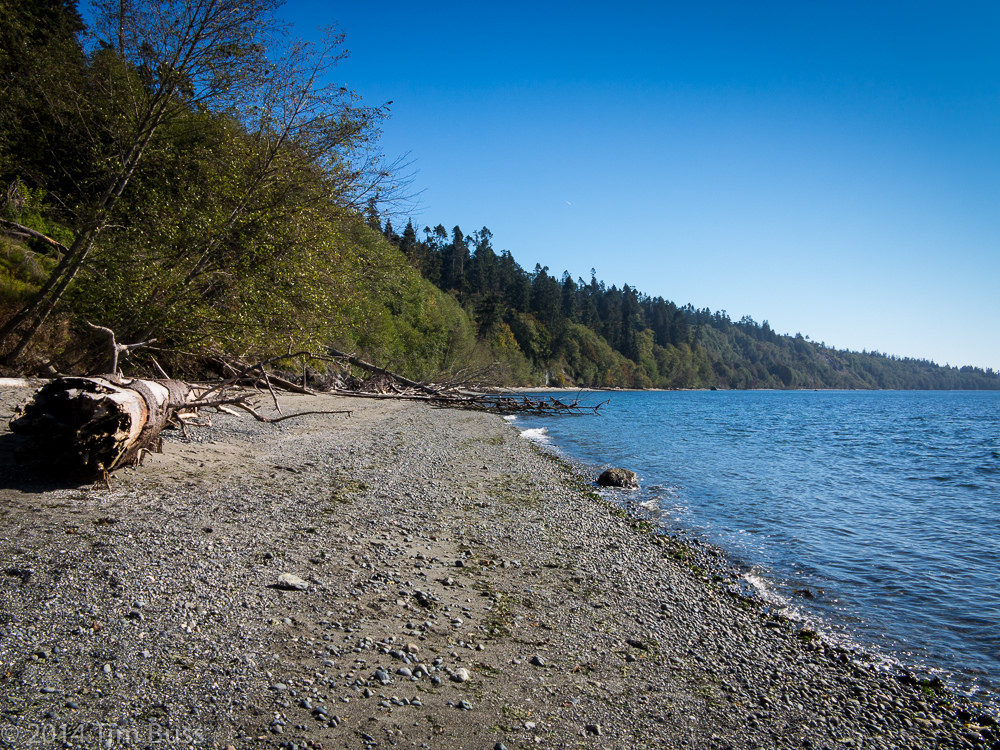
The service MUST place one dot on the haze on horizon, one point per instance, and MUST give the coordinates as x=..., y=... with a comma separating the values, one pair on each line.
x=834, y=170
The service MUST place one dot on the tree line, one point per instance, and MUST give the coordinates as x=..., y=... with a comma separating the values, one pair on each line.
x=581, y=332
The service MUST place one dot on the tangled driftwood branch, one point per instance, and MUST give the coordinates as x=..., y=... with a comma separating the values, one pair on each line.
x=90, y=426
x=117, y=350
x=458, y=392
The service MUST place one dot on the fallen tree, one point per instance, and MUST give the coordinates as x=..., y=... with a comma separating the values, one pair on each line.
x=87, y=427
x=457, y=392
x=90, y=426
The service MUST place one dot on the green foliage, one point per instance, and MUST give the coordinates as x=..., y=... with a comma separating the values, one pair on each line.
x=577, y=333
x=21, y=272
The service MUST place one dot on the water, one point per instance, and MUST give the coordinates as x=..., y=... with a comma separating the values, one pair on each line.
x=874, y=515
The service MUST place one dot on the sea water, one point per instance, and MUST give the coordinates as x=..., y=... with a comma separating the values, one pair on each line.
x=872, y=515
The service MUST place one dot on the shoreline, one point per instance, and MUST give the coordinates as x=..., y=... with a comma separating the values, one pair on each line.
x=460, y=588
x=776, y=589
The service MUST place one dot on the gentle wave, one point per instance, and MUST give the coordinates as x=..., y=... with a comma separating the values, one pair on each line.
x=537, y=434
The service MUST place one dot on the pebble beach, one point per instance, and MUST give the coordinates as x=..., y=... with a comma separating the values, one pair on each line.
x=403, y=576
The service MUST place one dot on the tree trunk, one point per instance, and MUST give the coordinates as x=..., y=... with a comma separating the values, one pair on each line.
x=83, y=427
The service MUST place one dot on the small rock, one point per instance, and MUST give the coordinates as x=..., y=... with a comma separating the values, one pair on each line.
x=465, y=705
x=594, y=729
x=291, y=582
x=537, y=661
x=460, y=675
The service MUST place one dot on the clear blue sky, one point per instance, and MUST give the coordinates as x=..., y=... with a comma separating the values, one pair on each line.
x=833, y=168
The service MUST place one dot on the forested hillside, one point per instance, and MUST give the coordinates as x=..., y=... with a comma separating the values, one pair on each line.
x=582, y=332
x=181, y=172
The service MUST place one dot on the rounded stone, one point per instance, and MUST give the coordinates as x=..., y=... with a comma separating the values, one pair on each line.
x=616, y=477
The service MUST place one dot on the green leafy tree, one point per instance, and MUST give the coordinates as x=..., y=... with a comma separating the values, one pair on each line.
x=157, y=65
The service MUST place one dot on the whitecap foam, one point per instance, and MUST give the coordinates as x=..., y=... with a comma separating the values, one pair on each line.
x=650, y=504
x=765, y=590
x=538, y=434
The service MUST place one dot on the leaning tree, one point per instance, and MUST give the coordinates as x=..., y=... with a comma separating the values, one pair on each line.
x=151, y=63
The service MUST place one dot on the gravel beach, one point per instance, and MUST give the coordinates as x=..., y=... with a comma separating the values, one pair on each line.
x=401, y=577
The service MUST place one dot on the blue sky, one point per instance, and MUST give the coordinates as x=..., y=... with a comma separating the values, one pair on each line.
x=831, y=168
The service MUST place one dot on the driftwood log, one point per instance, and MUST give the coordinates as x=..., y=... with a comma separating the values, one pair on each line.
x=406, y=382
x=460, y=393
x=89, y=426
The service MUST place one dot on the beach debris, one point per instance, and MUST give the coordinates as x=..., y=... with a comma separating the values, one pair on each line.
x=85, y=427
x=88, y=427
x=616, y=477
x=463, y=390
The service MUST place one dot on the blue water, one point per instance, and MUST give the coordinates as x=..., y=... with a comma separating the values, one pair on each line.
x=884, y=505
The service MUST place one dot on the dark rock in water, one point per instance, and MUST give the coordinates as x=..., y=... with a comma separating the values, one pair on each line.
x=618, y=478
